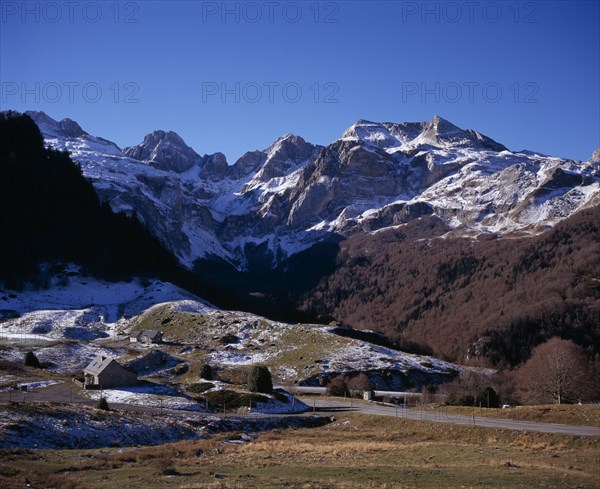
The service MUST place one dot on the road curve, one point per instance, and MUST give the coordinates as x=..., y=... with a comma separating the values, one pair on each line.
x=63, y=392
x=333, y=406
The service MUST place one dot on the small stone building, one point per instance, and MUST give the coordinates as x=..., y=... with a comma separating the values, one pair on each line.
x=105, y=372
x=148, y=336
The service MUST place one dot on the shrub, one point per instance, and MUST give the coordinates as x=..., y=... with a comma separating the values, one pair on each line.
x=466, y=400
x=233, y=399
x=429, y=392
x=229, y=339
x=232, y=375
x=206, y=372
x=488, y=398
x=200, y=387
x=103, y=404
x=337, y=387
x=181, y=368
x=31, y=360
x=259, y=380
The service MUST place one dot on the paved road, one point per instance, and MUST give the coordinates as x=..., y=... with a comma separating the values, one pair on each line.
x=67, y=393
x=303, y=389
x=64, y=392
x=333, y=406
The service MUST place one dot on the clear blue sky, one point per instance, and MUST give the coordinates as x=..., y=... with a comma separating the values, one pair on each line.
x=524, y=73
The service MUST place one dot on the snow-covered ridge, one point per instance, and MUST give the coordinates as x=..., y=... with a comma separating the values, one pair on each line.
x=293, y=194
x=69, y=324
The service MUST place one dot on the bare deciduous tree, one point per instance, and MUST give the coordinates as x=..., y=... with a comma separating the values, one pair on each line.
x=359, y=384
x=557, y=372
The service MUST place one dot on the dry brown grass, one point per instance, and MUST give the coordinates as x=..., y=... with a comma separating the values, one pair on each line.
x=575, y=414
x=354, y=451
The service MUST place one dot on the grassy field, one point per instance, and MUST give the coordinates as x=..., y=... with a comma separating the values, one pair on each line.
x=585, y=414
x=353, y=451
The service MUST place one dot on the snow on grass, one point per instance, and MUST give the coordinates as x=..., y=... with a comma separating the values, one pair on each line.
x=4, y=379
x=236, y=358
x=197, y=307
x=82, y=427
x=153, y=362
x=54, y=324
x=148, y=395
x=276, y=406
x=110, y=299
x=32, y=385
x=76, y=307
x=22, y=337
x=361, y=356
x=69, y=357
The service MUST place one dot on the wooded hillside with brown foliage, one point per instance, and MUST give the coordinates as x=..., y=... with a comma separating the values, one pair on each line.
x=488, y=299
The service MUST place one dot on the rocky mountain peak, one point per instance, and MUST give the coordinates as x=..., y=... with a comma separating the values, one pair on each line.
x=70, y=128
x=67, y=128
x=443, y=126
x=293, y=194
x=248, y=163
x=595, y=158
x=438, y=132
x=215, y=167
x=373, y=133
x=286, y=154
x=165, y=150
x=287, y=146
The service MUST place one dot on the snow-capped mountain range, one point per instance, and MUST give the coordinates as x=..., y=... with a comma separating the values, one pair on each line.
x=281, y=200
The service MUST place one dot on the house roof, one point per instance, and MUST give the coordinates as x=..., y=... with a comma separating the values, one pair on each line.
x=98, y=364
x=150, y=333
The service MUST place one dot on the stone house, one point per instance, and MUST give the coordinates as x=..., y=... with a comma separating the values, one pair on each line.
x=106, y=372
x=148, y=336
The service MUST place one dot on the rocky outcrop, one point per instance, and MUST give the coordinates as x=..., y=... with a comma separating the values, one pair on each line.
x=66, y=128
x=292, y=195
x=214, y=167
x=164, y=150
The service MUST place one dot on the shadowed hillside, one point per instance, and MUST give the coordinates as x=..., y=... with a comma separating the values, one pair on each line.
x=492, y=298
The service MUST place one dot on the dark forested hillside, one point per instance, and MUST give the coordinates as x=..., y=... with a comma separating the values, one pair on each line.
x=50, y=214
x=493, y=299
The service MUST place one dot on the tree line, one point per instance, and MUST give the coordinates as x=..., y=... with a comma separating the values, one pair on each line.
x=49, y=213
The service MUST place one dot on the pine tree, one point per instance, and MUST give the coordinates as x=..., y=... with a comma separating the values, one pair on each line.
x=206, y=372
x=31, y=360
x=103, y=404
x=259, y=380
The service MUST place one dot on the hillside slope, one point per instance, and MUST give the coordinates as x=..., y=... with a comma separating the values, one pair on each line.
x=464, y=298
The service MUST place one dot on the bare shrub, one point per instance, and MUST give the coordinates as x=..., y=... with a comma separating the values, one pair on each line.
x=359, y=384
x=337, y=387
